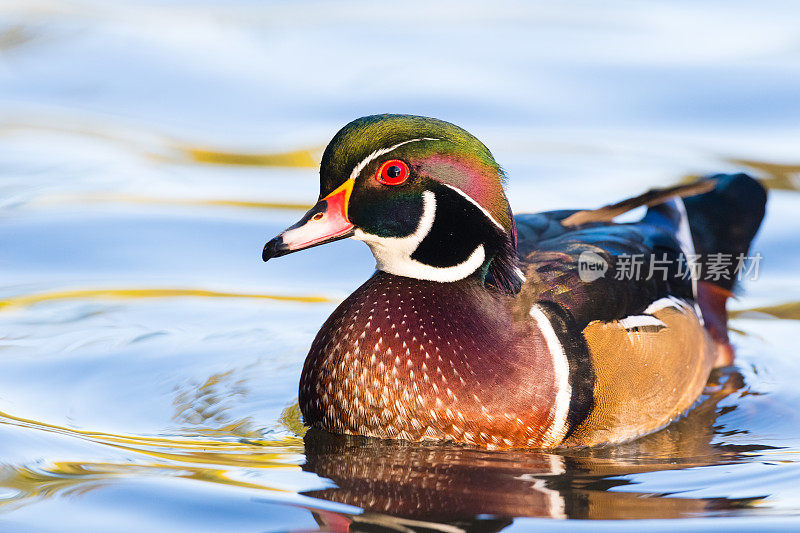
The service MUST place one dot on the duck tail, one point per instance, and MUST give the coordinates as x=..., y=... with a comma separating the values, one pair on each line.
x=723, y=223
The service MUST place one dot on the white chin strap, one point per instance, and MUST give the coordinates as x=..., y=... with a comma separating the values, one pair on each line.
x=393, y=254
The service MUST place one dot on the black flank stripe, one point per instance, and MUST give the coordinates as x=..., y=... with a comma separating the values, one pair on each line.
x=581, y=371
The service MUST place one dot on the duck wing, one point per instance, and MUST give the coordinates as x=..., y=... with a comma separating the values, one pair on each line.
x=602, y=270
x=645, y=260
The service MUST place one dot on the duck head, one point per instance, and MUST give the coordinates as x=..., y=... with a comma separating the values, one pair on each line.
x=424, y=194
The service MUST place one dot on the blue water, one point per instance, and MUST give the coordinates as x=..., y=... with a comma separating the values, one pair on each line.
x=148, y=374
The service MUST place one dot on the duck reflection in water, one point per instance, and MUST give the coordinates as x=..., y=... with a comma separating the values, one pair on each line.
x=422, y=487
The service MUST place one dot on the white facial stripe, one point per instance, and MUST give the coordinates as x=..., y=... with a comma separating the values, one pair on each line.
x=393, y=254
x=476, y=204
x=558, y=428
x=414, y=269
x=377, y=153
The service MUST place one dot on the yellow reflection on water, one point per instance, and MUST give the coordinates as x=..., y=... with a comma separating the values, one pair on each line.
x=26, y=300
x=152, y=200
x=296, y=158
x=292, y=419
x=776, y=175
x=15, y=36
x=251, y=453
x=65, y=478
x=195, y=456
x=151, y=144
x=788, y=310
x=771, y=175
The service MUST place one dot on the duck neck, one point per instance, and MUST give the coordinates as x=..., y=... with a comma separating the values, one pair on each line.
x=455, y=238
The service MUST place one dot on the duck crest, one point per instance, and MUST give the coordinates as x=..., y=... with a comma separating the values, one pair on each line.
x=421, y=360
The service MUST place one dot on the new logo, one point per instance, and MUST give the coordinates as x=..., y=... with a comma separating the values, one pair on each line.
x=591, y=266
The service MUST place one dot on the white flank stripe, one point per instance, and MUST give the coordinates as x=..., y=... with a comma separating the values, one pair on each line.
x=684, y=232
x=687, y=246
x=377, y=153
x=662, y=303
x=638, y=321
x=676, y=303
x=558, y=428
x=476, y=204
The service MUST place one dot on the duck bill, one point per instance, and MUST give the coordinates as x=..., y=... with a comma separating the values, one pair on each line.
x=325, y=222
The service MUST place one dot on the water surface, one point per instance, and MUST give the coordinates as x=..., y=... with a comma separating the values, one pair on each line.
x=149, y=361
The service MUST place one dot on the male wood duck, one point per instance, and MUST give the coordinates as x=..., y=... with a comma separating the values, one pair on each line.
x=487, y=328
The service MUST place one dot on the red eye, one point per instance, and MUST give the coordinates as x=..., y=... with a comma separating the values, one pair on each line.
x=393, y=172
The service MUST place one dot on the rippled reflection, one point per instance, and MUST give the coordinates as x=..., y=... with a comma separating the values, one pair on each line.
x=297, y=158
x=774, y=175
x=160, y=147
x=412, y=486
x=216, y=457
x=25, y=300
x=787, y=311
x=448, y=483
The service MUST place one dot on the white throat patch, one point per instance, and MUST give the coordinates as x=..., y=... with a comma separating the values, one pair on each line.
x=393, y=254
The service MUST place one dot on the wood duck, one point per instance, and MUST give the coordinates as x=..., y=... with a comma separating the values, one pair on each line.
x=510, y=331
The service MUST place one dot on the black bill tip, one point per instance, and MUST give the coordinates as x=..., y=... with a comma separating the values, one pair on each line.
x=274, y=248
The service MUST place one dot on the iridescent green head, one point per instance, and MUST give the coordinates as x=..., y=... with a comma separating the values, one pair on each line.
x=424, y=194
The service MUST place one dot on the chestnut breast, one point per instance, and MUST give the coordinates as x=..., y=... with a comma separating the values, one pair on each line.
x=418, y=360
